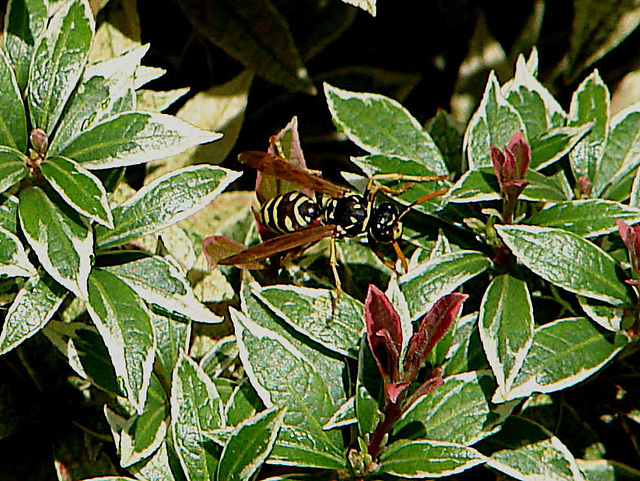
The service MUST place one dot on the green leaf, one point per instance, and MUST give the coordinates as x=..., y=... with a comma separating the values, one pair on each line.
x=440, y=276
x=255, y=34
x=481, y=185
x=459, y=411
x=58, y=60
x=85, y=352
x=130, y=138
x=586, y=218
x=552, y=145
x=506, y=327
x=160, y=466
x=139, y=436
x=368, y=391
x=525, y=450
x=33, y=307
x=603, y=314
x=563, y=353
x=381, y=125
x=24, y=22
x=383, y=164
x=539, y=110
x=123, y=322
x=13, y=259
x=106, y=88
x=12, y=167
x=195, y=407
x=13, y=118
x=171, y=336
x=243, y=404
x=621, y=152
x=425, y=458
x=567, y=260
x=494, y=123
x=590, y=103
x=165, y=201
x=160, y=282
x=249, y=445
x=59, y=237
x=326, y=364
x=79, y=188
x=311, y=311
x=9, y=213
x=283, y=376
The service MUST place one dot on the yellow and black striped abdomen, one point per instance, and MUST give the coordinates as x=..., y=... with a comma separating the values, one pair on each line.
x=289, y=212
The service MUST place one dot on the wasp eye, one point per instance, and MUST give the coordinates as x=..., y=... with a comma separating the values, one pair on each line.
x=385, y=224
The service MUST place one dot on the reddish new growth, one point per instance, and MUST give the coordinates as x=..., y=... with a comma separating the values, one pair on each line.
x=384, y=335
x=631, y=237
x=510, y=168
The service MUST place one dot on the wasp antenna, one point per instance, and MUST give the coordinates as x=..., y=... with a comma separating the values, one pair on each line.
x=422, y=199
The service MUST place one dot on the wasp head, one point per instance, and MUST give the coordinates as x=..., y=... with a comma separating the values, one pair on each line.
x=385, y=225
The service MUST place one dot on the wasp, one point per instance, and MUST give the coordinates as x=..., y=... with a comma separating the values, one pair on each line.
x=335, y=212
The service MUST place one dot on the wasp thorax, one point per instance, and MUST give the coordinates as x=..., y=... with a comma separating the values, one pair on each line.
x=349, y=214
x=385, y=225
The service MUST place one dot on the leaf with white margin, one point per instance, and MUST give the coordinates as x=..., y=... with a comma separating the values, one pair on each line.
x=33, y=307
x=59, y=58
x=430, y=281
x=122, y=320
x=458, y=411
x=425, y=458
x=622, y=152
x=282, y=375
x=527, y=451
x=60, y=239
x=106, y=88
x=494, y=123
x=13, y=119
x=539, y=110
x=567, y=260
x=607, y=316
x=140, y=435
x=79, y=188
x=585, y=217
x=130, y=138
x=563, y=353
x=196, y=407
x=12, y=167
x=161, y=282
x=506, y=327
x=590, y=103
x=249, y=445
x=381, y=125
x=13, y=259
x=165, y=201
x=338, y=328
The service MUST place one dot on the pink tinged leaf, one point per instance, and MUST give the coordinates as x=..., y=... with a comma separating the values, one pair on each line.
x=630, y=235
x=395, y=389
x=520, y=151
x=434, y=325
x=498, y=160
x=384, y=333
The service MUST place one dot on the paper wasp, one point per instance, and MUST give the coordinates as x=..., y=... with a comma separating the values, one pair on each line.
x=301, y=220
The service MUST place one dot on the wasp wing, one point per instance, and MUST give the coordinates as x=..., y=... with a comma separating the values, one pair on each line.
x=278, y=167
x=283, y=243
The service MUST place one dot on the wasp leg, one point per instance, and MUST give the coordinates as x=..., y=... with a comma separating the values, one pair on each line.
x=333, y=262
x=375, y=247
x=372, y=187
